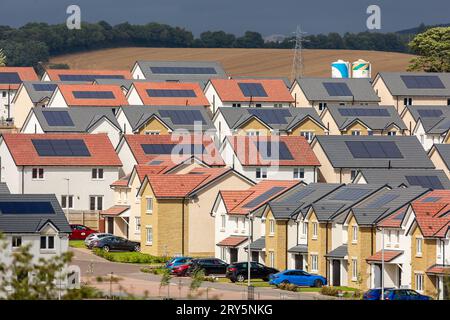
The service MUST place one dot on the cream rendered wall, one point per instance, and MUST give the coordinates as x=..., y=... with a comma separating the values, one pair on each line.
x=124, y=123
x=426, y=140
x=10, y=173
x=219, y=122
x=137, y=72
x=213, y=98
x=329, y=123
x=299, y=96
x=133, y=97
x=32, y=125
x=127, y=158
x=57, y=100
x=4, y=103
x=279, y=173
x=409, y=121
x=104, y=126
x=21, y=108
x=383, y=92
x=439, y=163
x=327, y=171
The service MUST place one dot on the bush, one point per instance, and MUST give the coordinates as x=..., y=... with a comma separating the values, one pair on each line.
x=130, y=257
x=329, y=291
x=288, y=287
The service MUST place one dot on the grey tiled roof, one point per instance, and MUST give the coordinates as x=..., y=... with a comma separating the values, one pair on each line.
x=361, y=89
x=340, y=156
x=373, y=122
x=444, y=152
x=38, y=96
x=432, y=125
x=397, y=177
x=339, y=252
x=4, y=188
x=397, y=87
x=258, y=244
x=31, y=223
x=300, y=248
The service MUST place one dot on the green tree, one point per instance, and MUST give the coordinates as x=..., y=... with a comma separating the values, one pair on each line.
x=433, y=48
x=2, y=58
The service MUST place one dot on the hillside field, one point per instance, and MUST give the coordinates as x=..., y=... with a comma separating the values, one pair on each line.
x=248, y=62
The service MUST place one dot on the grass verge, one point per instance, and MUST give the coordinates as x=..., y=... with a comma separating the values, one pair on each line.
x=130, y=257
x=77, y=244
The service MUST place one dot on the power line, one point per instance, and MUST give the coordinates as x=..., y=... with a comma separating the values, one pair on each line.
x=297, y=64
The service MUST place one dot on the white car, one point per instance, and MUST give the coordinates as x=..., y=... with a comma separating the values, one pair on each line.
x=95, y=236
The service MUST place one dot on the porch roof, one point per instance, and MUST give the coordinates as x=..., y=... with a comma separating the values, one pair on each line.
x=115, y=211
x=339, y=252
x=438, y=269
x=389, y=255
x=300, y=248
x=232, y=241
x=258, y=244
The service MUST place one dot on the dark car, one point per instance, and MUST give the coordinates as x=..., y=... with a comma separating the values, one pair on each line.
x=116, y=243
x=404, y=294
x=210, y=266
x=239, y=271
x=80, y=232
x=374, y=294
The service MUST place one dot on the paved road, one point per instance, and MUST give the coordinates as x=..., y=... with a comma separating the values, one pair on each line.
x=135, y=282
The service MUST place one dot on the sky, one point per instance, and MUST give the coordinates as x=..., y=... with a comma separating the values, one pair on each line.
x=236, y=16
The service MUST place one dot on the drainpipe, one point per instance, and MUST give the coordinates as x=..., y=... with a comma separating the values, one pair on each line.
x=326, y=249
x=340, y=175
x=23, y=179
x=287, y=243
x=315, y=168
x=182, y=227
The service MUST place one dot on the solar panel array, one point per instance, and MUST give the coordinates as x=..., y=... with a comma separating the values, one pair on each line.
x=26, y=207
x=168, y=148
x=350, y=194
x=44, y=87
x=273, y=150
x=298, y=196
x=88, y=77
x=10, y=78
x=337, y=89
x=61, y=147
x=94, y=95
x=431, y=199
x=445, y=124
x=58, y=118
x=272, y=116
x=374, y=149
x=433, y=113
x=264, y=197
x=432, y=182
x=423, y=82
x=183, y=70
x=361, y=112
x=188, y=117
x=252, y=89
x=381, y=201
x=173, y=93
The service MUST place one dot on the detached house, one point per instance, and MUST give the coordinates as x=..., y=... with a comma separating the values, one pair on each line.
x=247, y=93
x=77, y=168
x=271, y=157
x=84, y=76
x=440, y=155
x=429, y=116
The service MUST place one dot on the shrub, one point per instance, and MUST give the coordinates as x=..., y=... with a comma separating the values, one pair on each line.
x=288, y=287
x=329, y=291
x=129, y=257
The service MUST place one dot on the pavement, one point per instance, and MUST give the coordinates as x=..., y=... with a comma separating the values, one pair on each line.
x=134, y=282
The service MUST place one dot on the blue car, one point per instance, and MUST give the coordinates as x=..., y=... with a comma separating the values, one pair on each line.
x=298, y=278
x=374, y=294
x=404, y=294
x=177, y=261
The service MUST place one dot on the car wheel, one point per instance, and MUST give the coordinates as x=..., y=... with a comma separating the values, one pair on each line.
x=137, y=248
x=106, y=248
x=285, y=282
x=240, y=278
x=318, y=283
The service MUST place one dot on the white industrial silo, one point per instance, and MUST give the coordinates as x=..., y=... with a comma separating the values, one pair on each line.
x=361, y=69
x=340, y=69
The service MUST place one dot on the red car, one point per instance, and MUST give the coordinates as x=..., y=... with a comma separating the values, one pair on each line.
x=80, y=232
x=180, y=271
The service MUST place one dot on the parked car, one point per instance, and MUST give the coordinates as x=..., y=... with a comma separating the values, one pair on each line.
x=177, y=261
x=374, y=294
x=116, y=243
x=299, y=278
x=80, y=232
x=404, y=294
x=239, y=271
x=181, y=270
x=210, y=266
x=95, y=236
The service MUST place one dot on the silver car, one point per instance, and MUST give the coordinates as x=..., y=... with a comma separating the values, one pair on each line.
x=95, y=236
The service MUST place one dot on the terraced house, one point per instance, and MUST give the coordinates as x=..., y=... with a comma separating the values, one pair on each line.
x=440, y=155
x=83, y=76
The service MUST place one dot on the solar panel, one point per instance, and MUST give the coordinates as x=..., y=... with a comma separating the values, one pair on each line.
x=44, y=87
x=433, y=113
x=298, y=196
x=272, y=116
x=400, y=216
x=361, y=112
x=173, y=93
x=58, y=118
x=431, y=182
x=61, y=147
x=268, y=150
x=10, y=78
x=263, y=197
x=431, y=199
x=350, y=194
x=381, y=201
x=88, y=77
x=422, y=82
x=26, y=207
x=445, y=124
x=168, y=148
x=188, y=117
x=93, y=94
x=156, y=162
x=374, y=149
x=252, y=89
x=183, y=70
x=337, y=89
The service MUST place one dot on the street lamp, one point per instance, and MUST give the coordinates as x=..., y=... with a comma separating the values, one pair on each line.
x=67, y=196
x=382, y=263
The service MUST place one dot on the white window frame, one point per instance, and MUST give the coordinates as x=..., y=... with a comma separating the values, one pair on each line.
x=271, y=227
x=47, y=241
x=152, y=132
x=67, y=205
x=40, y=174
x=354, y=269
x=322, y=105
x=95, y=174
x=314, y=263
x=304, y=229
x=96, y=202
x=137, y=224
x=353, y=173
x=299, y=173
x=356, y=132
x=272, y=259
x=419, y=246
x=315, y=230
x=392, y=133
x=262, y=172
x=419, y=281
x=309, y=135
x=148, y=208
x=148, y=229
x=252, y=133
x=223, y=253
x=223, y=222
x=354, y=234
x=15, y=242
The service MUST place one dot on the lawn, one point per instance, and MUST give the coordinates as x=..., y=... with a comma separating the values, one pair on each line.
x=255, y=282
x=77, y=244
x=130, y=257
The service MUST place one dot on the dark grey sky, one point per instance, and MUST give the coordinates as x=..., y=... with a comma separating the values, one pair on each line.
x=236, y=16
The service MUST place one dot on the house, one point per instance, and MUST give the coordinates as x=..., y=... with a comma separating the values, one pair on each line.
x=366, y=121
x=411, y=114
x=425, y=178
x=247, y=93
x=268, y=121
x=77, y=168
x=271, y=157
x=84, y=76
x=87, y=95
x=342, y=156
x=178, y=71
x=440, y=155
x=322, y=92
x=402, y=89
x=73, y=120
x=232, y=210
x=10, y=80
x=358, y=227
x=164, y=120
x=175, y=210
x=166, y=94
x=136, y=149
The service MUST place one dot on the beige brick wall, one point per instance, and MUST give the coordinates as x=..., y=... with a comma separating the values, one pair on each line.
x=154, y=125
x=317, y=245
x=276, y=242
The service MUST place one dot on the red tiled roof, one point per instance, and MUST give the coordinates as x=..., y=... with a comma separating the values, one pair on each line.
x=115, y=210
x=438, y=269
x=146, y=170
x=394, y=220
x=389, y=255
x=122, y=182
x=232, y=241
x=101, y=151
x=24, y=73
x=199, y=100
x=228, y=90
x=135, y=142
x=245, y=148
x=68, y=89
x=54, y=74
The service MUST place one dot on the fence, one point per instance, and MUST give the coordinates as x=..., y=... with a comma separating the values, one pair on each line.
x=90, y=219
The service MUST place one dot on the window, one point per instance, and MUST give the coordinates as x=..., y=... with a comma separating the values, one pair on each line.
x=370, y=133
x=407, y=101
x=356, y=133
x=152, y=132
x=16, y=241
x=251, y=133
x=261, y=173
x=448, y=102
x=149, y=205
x=419, y=247
x=322, y=105
x=280, y=105
x=272, y=226
x=47, y=242
x=353, y=174
x=419, y=281
x=304, y=229
x=236, y=105
x=224, y=220
x=223, y=253
x=149, y=235
x=392, y=133
x=314, y=263
x=309, y=135
x=354, y=269
x=299, y=173
x=258, y=105
x=354, y=234
x=4, y=94
x=272, y=259
x=137, y=224
x=314, y=230
x=38, y=174
x=97, y=174
x=96, y=203
x=66, y=202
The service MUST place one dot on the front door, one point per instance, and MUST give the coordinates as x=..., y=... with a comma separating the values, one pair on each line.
x=255, y=256
x=377, y=276
x=111, y=225
x=336, y=272
x=233, y=255
x=298, y=262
